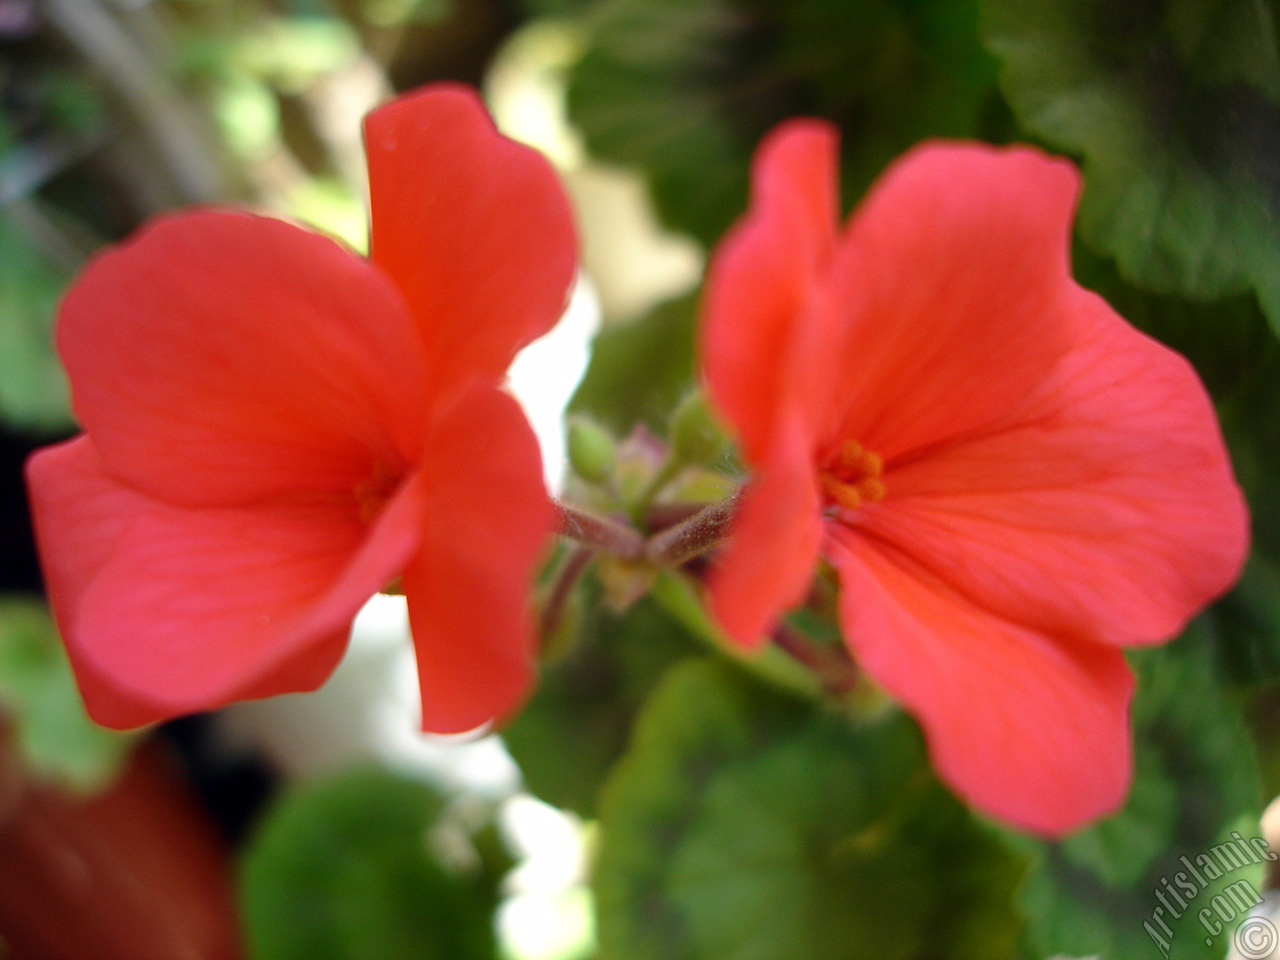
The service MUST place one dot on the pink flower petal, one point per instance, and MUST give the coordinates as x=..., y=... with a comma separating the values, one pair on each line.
x=488, y=523
x=169, y=610
x=761, y=281
x=1030, y=728
x=951, y=290
x=474, y=229
x=1104, y=506
x=220, y=357
x=767, y=565
x=79, y=515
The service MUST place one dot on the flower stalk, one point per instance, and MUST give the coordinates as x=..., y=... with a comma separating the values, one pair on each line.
x=600, y=533
x=692, y=537
x=566, y=578
x=832, y=665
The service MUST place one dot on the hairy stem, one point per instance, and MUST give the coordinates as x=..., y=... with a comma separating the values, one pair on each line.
x=566, y=578
x=600, y=533
x=663, y=515
x=694, y=536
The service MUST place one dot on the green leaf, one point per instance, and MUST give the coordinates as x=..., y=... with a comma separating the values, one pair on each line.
x=1250, y=415
x=341, y=870
x=640, y=370
x=743, y=826
x=57, y=739
x=589, y=698
x=33, y=390
x=685, y=90
x=1244, y=626
x=1175, y=108
x=1196, y=780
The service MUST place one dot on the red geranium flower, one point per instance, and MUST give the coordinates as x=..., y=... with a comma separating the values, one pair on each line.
x=1010, y=481
x=276, y=428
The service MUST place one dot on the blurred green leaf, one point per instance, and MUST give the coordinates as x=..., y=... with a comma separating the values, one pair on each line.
x=57, y=739
x=1196, y=780
x=33, y=390
x=1245, y=625
x=589, y=698
x=72, y=102
x=640, y=370
x=292, y=53
x=340, y=870
x=248, y=115
x=1250, y=414
x=743, y=825
x=685, y=90
x=394, y=13
x=1175, y=108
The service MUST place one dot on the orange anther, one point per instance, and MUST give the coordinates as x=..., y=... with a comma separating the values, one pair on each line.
x=850, y=454
x=871, y=489
x=843, y=494
x=852, y=476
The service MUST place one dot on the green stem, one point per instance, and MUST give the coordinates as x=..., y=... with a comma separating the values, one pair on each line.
x=671, y=468
x=677, y=596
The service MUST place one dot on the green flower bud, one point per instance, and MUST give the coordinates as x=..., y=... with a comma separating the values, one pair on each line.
x=591, y=450
x=697, y=436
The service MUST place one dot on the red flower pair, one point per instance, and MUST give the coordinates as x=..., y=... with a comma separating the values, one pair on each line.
x=276, y=429
x=1011, y=482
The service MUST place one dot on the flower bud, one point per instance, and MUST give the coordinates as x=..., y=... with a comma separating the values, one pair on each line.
x=697, y=436
x=591, y=450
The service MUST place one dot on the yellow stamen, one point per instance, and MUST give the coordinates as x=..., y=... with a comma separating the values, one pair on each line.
x=871, y=489
x=845, y=494
x=852, y=477
x=850, y=454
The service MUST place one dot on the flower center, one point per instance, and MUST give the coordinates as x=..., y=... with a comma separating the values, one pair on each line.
x=851, y=477
x=375, y=490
